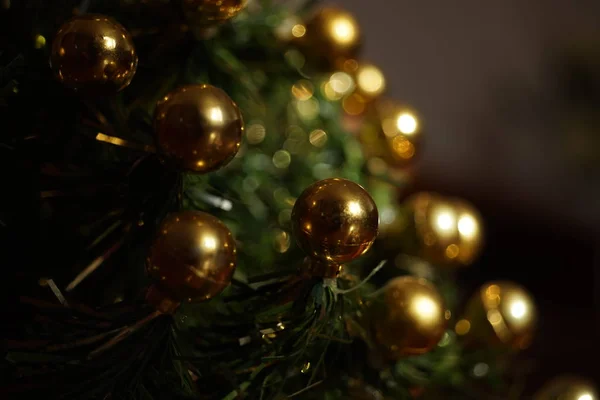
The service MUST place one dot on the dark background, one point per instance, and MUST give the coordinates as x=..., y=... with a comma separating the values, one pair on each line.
x=509, y=95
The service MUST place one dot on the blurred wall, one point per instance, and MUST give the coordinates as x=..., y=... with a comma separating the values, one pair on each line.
x=484, y=77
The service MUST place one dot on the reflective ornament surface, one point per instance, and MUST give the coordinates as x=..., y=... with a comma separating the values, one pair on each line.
x=211, y=12
x=192, y=257
x=328, y=38
x=500, y=312
x=93, y=54
x=448, y=231
x=335, y=220
x=409, y=319
x=198, y=128
x=567, y=388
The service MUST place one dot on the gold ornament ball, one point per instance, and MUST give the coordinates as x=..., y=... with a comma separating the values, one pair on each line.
x=93, y=54
x=410, y=318
x=192, y=257
x=198, y=128
x=335, y=220
x=448, y=231
x=501, y=313
x=211, y=12
x=567, y=388
x=392, y=133
x=330, y=37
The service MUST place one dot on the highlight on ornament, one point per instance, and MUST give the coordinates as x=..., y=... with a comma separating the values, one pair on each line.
x=192, y=258
x=198, y=128
x=93, y=54
x=567, y=387
x=335, y=221
x=409, y=317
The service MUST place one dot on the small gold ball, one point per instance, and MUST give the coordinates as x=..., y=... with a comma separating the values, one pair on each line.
x=410, y=318
x=93, y=54
x=501, y=312
x=568, y=388
x=192, y=257
x=330, y=37
x=335, y=220
x=198, y=128
x=449, y=231
x=392, y=132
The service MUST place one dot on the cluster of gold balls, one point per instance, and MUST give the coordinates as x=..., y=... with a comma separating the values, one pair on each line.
x=198, y=128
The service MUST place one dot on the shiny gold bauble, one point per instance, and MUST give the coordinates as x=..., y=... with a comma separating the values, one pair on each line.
x=328, y=38
x=410, y=318
x=93, y=54
x=501, y=313
x=391, y=133
x=211, y=12
x=335, y=220
x=567, y=388
x=198, y=128
x=192, y=257
x=448, y=231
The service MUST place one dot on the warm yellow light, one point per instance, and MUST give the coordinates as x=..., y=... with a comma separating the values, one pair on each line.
x=518, y=309
x=343, y=30
x=370, y=80
x=109, y=42
x=298, y=30
x=467, y=226
x=318, y=138
x=341, y=83
x=303, y=90
x=354, y=208
x=209, y=243
x=444, y=220
x=462, y=327
x=216, y=114
x=586, y=396
x=403, y=147
x=407, y=123
x=426, y=309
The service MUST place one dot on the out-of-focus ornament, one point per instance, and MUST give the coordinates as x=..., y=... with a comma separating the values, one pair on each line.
x=198, y=128
x=93, y=54
x=335, y=221
x=448, y=231
x=328, y=38
x=211, y=12
x=391, y=133
x=369, y=84
x=409, y=317
x=567, y=388
x=499, y=312
x=192, y=258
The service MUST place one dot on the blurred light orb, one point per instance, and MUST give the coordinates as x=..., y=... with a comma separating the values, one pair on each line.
x=407, y=123
x=370, y=80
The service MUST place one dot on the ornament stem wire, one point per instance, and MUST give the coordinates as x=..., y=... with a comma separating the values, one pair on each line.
x=124, y=333
x=337, y=291
x=94, y=265
x=117, y=141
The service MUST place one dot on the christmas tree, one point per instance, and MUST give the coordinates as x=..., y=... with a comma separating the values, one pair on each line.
x=206, y=202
